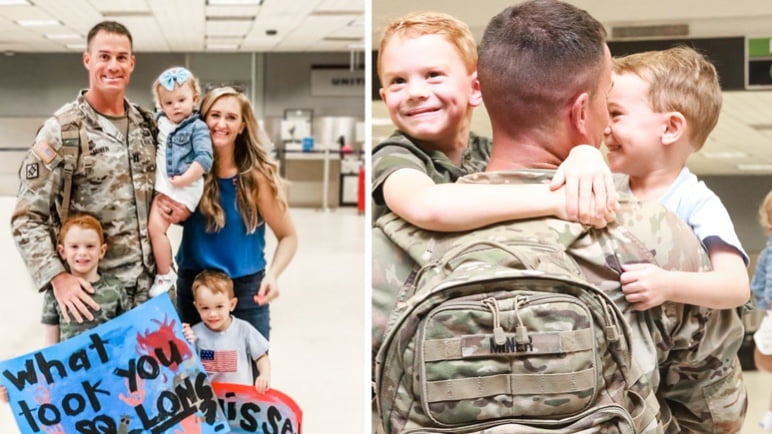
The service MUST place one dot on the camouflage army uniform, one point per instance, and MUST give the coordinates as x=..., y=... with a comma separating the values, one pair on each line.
x=399, y=152
x=109, y=294
x=688, y=353
x=117, y=190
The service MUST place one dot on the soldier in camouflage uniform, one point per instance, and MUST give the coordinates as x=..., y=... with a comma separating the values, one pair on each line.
x=688, y=353
x=113, y=181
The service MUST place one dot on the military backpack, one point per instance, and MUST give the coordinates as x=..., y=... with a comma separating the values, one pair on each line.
x=75, y=143
x=498, y=332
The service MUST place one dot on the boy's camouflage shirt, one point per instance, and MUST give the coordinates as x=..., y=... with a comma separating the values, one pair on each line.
x=401, y=152
x=109, y=294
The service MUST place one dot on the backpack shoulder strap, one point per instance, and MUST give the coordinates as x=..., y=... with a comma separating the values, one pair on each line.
x=74, y=144
x=148, y=119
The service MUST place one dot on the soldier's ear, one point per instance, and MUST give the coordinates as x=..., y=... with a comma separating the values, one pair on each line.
x=475, y=98
x=579, y=113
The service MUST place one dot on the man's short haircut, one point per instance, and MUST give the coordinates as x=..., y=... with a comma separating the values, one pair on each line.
x=216, y=281
x=680, y=79
x=109, y=27
x=84, y=221
x=535, y=57
x=421, y=23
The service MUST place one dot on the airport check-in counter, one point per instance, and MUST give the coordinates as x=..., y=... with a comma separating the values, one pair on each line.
x=319, y=175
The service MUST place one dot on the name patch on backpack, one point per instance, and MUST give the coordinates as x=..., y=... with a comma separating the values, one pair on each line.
x=510, y=345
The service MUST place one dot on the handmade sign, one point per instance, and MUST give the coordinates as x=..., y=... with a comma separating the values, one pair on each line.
x=248, y=411
x=134, y=374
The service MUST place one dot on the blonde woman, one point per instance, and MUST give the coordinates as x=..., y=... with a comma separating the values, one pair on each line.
x=761, y=286
x=242, y=194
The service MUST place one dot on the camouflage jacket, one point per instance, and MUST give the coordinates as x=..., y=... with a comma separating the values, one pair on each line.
x=114, y=183
x=109, y=294
x=399, y=152
x=687, y=352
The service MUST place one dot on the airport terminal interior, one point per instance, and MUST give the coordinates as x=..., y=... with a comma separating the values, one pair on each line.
x=307, y=66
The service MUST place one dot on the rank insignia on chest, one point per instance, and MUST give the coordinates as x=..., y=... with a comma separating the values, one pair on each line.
x=32, y=170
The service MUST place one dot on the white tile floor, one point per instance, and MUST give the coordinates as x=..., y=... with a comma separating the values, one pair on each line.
x=318, y=322
x=759, y=386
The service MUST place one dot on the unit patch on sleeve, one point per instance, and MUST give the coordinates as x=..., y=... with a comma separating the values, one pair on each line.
x=44, y=151
x=32, y=170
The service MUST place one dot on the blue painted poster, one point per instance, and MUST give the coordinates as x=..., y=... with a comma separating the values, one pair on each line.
x=134, y=374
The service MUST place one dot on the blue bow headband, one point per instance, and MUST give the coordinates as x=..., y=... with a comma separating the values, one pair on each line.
x=168, y=77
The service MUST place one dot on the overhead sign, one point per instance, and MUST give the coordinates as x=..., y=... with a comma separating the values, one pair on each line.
x=758, y=65
x=337, y=82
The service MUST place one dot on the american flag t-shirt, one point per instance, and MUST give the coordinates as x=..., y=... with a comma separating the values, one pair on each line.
x=219, y=361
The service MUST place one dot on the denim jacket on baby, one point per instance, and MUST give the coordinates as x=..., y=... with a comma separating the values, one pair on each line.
x=761, y=284
x=189, y=142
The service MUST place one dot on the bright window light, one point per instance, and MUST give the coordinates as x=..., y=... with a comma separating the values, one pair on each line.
x=14, y=2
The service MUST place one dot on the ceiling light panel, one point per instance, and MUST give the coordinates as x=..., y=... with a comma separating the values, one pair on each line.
x=218, y=11
x=126, y=14
x=38, y=23
x=760, y=167
x=233, y=2
x=63, y=36
x=119, y=5
x=225, y=47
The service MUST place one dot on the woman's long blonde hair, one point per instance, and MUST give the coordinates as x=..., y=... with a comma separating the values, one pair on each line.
x=252, y=160
x=765, y=211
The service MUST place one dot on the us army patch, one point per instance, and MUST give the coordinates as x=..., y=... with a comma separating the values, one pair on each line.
x=32, y=170
x=44, y=151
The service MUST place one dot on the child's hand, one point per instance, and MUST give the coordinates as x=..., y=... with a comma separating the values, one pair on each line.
x=262, y=383
x=268, y=290
x=3, y=394
x=644, y=285
x=177, y=181
x=590, y=193
x=187, y=330
x=135, y=398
